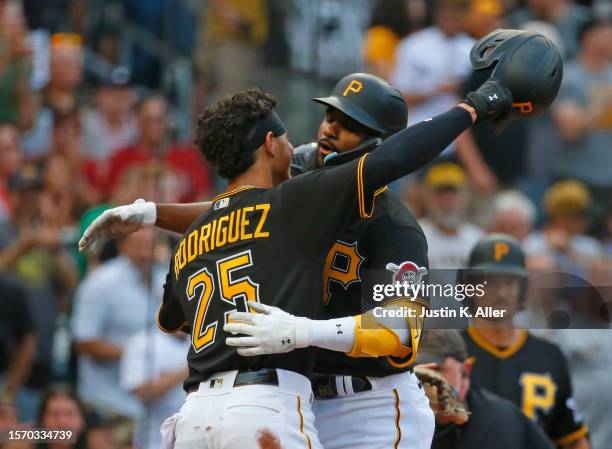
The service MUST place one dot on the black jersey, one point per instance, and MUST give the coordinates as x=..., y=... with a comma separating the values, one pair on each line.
x=495, y=423
x=534, y=375
x=270, y=245
x=257, y=245
x=390, y=241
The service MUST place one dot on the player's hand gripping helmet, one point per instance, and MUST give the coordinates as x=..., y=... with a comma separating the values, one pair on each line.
x=525, y=62
x=370, y=101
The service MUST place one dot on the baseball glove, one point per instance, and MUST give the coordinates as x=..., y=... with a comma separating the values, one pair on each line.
x=443, y=398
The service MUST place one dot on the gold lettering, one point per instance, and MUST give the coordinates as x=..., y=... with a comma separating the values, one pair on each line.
x=182, y=255
x=265, y=208
x=212, y=235
x=221, y=231
x=234, y=227
x=176, y=265
x=204, y=235
x=192, y=245
x=245, y=223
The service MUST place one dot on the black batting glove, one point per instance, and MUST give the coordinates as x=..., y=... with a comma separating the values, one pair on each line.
x=492, y=101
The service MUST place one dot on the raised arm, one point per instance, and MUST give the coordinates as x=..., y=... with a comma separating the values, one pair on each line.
x=123, y=220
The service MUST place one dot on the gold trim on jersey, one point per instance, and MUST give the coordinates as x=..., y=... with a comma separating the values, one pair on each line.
x=360, y=193
x=572, y=437
x=397, y=419
x=299, y=410
x=494, y=350
x=232, y=192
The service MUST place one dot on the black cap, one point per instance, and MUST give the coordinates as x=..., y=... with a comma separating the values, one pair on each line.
x=498, y=254
x=27, y=178
x=119, y=76
x=438, y=344
x=525, y=62
x=370, y=101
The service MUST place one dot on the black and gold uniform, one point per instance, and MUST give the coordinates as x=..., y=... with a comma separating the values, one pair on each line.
x=270, y=245
x=534, y=375
x=382, y=247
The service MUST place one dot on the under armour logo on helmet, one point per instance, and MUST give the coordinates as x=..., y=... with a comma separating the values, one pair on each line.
x=286, y=341
x=493, y=97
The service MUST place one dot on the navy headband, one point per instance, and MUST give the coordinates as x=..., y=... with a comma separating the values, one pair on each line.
x=270, y=123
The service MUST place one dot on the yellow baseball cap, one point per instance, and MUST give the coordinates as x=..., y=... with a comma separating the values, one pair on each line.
x=567, y=199
x=445, y=174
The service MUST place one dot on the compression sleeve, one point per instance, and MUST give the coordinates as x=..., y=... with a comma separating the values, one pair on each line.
x=412, y=148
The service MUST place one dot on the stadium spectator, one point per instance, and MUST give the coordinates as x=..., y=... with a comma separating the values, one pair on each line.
x=449, y=236
x=17, y=338
x=153, y=368
x=181, y=161
x=565, y=15
x=116, y=301
x=431, y=63
x=72, y=173
x=61, y=410
x=583, y=113
x=494, y=423
x=112, y=124
x=513, y=214
x=10, y=162
x=60, y=96
x=325, y=38
x=31, y=248
x=389, y=24
x=484, y=16
x=586, y=345
x=230, y=31
x=15, y=66
x=567, y=205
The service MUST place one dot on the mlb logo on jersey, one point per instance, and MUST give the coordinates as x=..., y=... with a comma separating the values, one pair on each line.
x=220, y=204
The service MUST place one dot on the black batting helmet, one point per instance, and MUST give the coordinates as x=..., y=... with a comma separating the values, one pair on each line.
x=370, y=101
x=527, y=63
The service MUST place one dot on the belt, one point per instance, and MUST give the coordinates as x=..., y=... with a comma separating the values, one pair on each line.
x=325, y=387
x=263, y=376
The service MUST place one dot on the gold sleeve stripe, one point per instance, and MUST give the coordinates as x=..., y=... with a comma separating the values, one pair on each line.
x=299, y=410
x=397, y=419
x=360, y=194
x=361, y=199
x=162, y=328
x=572, y=437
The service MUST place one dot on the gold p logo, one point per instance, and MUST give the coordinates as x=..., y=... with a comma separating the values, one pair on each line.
x=354, y=86
x=500, y=249
x=524, y=108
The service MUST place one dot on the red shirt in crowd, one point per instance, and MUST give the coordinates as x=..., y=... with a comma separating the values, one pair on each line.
x=194, y=178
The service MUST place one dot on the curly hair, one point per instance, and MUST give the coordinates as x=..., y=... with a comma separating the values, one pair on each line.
x=224, y=128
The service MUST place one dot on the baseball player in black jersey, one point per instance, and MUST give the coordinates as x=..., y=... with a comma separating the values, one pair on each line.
x=258, y=243
x=510, y=362
x=336, y=279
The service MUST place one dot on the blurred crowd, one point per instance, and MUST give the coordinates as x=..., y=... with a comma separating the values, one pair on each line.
x=97, y=105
